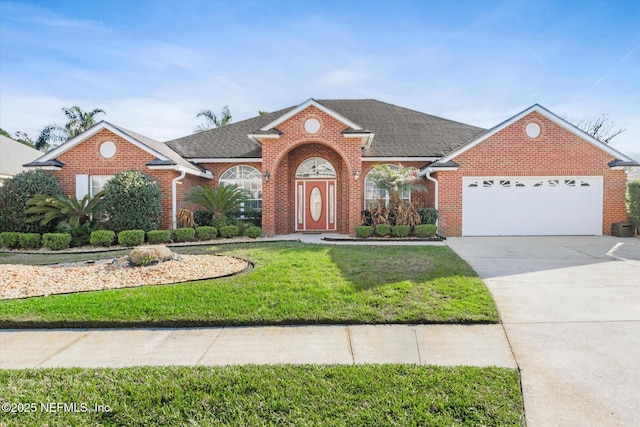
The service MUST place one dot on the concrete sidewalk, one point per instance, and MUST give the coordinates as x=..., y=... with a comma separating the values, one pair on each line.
x=476, y=345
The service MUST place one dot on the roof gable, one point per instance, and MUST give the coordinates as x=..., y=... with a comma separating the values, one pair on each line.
x=310, y=102
x=165, y=156
x=548, y=115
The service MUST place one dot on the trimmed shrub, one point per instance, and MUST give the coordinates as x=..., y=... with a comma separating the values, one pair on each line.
x=383, y=230
x=131, y=237
x=220, y=222
x=158, y=236
x=206, y=232
x=186, y=234
x=56, y=241
x=102, y=238
x=132, y=202
x=428, y=215
x=14, y=194
x=9, y=239
x=29, y=240
x=253, y=232
x=229, y=231
x=401, y=230
x=424, y=231
x=202, y=218
x=633, y=202
x=364, y=231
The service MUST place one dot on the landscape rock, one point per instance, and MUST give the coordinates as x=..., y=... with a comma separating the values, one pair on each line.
x=144, y=255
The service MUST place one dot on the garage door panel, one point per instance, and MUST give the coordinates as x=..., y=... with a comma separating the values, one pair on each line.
x=532, y=206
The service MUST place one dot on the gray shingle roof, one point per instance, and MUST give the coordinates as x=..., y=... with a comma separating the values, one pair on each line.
x=230, y=141
x=399, y=132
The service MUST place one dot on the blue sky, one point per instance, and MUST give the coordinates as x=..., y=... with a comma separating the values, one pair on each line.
x=153, y=65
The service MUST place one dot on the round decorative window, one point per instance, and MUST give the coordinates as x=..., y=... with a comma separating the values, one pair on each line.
x=107, y=149
x=312, y=125
x=533, y=130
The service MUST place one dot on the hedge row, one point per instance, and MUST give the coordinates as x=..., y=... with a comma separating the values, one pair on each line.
x=422, y=231
x=57, y=241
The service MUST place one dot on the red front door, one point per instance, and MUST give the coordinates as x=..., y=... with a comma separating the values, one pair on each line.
x=315, y=205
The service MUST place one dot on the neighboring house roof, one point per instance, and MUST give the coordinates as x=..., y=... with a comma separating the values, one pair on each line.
x=621, y=160
x=398, y=131
x=165, y=156
x=13, y=155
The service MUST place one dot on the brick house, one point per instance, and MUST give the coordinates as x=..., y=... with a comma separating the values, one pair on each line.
x=306, y=167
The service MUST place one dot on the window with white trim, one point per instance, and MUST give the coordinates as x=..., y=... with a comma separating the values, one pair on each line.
x=97, y=183
x=246, y=178
x=373, y=194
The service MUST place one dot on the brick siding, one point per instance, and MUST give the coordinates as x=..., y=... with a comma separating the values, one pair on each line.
x=510, y=152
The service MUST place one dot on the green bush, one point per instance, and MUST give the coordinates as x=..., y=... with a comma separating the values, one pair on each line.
x=29, y=240
x=186, y=234
x=202, y=218
x=633, y=203
x=364, y=231
x=14, y=194
x=428, y=215
x=131, y=237
x=401, y=230
x=9, y=239
x=56, y=241
x=424, y=231
x=80, y=233
x=383, y=230
x=206, y=232
x=253, y=232
x=102, y=238
x=220, y=222
x=158, y=236
x=229, y=231
x=132, y=202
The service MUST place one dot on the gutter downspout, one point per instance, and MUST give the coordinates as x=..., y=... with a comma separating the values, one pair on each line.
x=174, y=198
x=435, y=181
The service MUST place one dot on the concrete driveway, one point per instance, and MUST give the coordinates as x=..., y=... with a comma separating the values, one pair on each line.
x=571, y=311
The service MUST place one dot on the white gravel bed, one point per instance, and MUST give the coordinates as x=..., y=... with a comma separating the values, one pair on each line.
x=21, y=281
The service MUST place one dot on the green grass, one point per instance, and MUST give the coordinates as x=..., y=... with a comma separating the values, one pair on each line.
x=300, y=395
x=292, y=283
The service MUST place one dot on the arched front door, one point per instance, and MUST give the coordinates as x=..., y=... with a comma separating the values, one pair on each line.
x=315, y=195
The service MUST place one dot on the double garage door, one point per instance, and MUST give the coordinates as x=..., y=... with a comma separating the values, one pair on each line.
x=522, y=206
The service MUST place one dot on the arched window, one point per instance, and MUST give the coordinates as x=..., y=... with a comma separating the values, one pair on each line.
x=373, y=193
x=247, y=178
x=315, y=167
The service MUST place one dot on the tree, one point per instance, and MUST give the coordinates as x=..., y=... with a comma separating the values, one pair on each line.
x=394, y=180
x=78, y=121
x=19, y=136
x=212, y=121
x=133, y=201
x=14, y=194
x=600, y=127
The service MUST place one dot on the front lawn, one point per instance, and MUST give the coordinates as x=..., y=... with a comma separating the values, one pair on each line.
x=292, y=283
x=301, y=395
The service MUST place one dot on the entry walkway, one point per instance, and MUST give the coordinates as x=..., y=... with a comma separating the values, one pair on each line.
x=476, y=345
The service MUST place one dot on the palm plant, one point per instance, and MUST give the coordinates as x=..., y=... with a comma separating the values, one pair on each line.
x=394, y=180
x=78, y=120
x=221, y=201
x=212, y=120
x=45, y=209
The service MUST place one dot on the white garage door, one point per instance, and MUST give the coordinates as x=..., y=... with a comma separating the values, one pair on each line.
x=512, y=206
